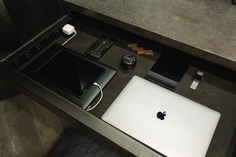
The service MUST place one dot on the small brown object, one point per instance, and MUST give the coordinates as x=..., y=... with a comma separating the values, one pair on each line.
x=141, y=50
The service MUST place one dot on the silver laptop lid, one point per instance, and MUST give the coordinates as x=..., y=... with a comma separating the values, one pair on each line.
x=163, y=120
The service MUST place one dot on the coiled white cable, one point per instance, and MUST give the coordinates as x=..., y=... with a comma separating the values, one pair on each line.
x=100, y=88
x=68, y=29
x=70, y=38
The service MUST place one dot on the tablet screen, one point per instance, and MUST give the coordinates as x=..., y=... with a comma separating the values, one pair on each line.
x=168, y=70
x=69, y=72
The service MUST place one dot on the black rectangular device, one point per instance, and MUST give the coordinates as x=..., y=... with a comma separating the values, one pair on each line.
x=69, y=74
x=100, y=47
x=168, y=70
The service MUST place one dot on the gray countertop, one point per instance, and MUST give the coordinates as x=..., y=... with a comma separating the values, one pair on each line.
x=203, y=28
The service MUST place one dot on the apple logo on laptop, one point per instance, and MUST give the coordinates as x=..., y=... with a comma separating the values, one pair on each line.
x=161, y=115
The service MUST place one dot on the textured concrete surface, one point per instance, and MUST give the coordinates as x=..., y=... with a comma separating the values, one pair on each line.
x=204, y=24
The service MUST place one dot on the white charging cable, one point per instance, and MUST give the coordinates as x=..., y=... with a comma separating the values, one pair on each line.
x=100, y=88
x=69, y=29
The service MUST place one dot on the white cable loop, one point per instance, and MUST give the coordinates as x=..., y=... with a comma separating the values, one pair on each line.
x=70, y=38
x=91, y=108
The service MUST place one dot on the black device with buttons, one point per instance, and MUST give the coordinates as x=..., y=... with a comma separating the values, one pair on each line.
x=100, y=47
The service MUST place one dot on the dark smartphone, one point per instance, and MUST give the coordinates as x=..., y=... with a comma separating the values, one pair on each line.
x=168, y=70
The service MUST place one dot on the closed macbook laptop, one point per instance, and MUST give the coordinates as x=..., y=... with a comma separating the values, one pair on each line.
x=163, y=120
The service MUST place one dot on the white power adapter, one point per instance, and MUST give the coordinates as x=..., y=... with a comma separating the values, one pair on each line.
x=68, y=29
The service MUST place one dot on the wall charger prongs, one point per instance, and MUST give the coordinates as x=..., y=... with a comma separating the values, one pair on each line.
x=68, y=30
x=197, y=78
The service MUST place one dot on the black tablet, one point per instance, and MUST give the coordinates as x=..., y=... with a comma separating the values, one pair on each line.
x=69, y=74
x=168, y=70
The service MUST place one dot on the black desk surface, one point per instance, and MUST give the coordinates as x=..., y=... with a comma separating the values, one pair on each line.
x=215, y=91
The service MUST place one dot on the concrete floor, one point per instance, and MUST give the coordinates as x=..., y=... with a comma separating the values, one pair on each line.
x=27, y=128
